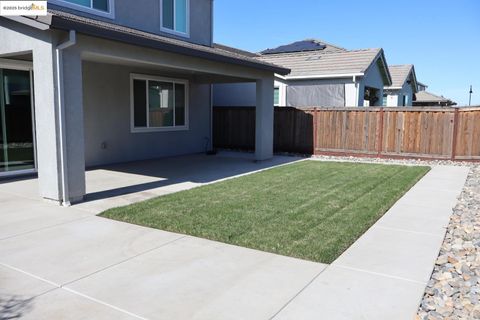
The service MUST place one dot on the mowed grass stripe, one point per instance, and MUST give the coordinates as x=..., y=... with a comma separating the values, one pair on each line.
x=310, y=210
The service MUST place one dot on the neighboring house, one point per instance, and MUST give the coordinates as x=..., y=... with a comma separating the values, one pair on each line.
x=403, y=88
x=427, y=99
x=421, y=87
x=108, y=81
x=321, y=75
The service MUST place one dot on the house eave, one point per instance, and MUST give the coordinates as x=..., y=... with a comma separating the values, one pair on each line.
x=393, y=88
x=51, y=21
x=326, y=76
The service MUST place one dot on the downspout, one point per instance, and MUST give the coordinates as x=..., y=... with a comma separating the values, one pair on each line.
x=72, y=40
x=356, y=90
x=210, y=147
x=211, y=22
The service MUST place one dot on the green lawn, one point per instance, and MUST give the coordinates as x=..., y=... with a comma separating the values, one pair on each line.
x=311, y=210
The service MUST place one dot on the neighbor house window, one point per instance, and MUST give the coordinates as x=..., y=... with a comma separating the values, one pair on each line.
x=158, y=104
x=276, y=96
x=98, y=7
x=385, y=99
x=175, y=16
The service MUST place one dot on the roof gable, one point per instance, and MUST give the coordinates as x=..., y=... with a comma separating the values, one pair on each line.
x=336, y=64
x=401, y=74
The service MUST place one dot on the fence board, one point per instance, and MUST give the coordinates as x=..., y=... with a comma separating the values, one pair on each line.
x=431, y=133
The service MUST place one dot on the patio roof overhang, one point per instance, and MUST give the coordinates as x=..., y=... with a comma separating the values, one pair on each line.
x=66, y=21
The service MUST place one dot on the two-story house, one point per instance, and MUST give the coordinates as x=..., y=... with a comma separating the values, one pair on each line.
x=404, y=86
x=105, y=81
x=322, y=75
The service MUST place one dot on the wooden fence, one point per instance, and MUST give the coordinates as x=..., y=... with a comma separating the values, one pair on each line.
x=433, y=133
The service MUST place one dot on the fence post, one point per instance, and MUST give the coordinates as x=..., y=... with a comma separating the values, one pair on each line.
x=380, y=134
x=315, y=128
x=455, y=133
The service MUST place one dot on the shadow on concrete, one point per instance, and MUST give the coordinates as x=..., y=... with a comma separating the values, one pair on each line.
x=14, y=307
x=199, y=169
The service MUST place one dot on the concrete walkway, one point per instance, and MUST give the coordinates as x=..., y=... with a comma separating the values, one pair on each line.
x=383, y=275
x=65, y=263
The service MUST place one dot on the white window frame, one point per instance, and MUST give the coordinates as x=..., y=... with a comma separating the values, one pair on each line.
x=110, y=14
x=173, y=31
x=279, y=90
x=133, y=129
x=282, y=102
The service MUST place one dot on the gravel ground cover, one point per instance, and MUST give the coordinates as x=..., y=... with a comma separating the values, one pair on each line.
x=454, y=289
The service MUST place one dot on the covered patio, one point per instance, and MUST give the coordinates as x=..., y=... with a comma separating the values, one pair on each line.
x=87, y=93
x=126, y=183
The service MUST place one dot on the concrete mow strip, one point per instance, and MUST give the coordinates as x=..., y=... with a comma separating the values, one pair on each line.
x=343, y=294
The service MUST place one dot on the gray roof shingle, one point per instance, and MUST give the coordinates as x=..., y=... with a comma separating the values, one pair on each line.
x=319, y=63
x=400, y=74
x=424, y=96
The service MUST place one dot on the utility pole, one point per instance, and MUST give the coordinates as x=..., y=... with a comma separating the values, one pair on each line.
x=470, y=99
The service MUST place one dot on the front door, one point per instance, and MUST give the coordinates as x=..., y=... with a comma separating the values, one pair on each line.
x=17, y=143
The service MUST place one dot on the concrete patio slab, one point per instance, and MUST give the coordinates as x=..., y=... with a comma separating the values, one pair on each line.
x=215, y=281
x=126, y=183
x=123, y=184
x=90, y=267
x=26, y=188
x=28, y=216
x=341, y=294
x=65, y=305
x=74, y=250
x=17, y=287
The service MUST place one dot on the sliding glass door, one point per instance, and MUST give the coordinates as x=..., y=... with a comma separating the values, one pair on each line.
x=17, y=149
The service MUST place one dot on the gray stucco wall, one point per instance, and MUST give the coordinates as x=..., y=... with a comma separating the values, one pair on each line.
x=373, y=78
x=316, y=93
x=18, y=39
x=408, y=92
x=300, y=93
x=145, y=15
x=106, y=96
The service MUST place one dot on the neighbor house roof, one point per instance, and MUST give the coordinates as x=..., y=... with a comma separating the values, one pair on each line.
x=62, y=20
x=304, y=46
x=235, y=50
x=318, y=64
x=424, y=96
x=400, y=75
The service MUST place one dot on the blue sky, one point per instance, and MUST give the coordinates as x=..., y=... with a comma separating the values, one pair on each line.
x=441, y=38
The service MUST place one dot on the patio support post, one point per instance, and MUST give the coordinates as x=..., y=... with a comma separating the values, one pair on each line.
x=45, y=123
x=51, y=131
x=73, y=126
x=264, y=114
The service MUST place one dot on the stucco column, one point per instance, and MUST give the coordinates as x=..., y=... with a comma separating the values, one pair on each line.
x=46, y=132
x=264, y=119
x=74, y=124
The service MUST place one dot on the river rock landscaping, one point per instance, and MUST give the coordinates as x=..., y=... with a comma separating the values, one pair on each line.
x=454, y=289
